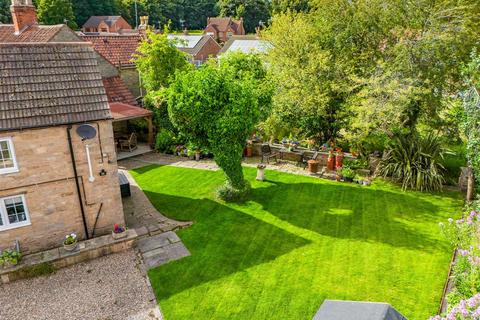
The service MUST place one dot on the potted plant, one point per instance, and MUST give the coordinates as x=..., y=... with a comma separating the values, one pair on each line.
x=261, y=172
x=198, y=153
x=347, y=174
x=70, y=243
x=119, y=232
x=9, y=258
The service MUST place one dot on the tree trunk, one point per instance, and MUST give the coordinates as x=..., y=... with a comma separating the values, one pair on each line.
x=470, y=185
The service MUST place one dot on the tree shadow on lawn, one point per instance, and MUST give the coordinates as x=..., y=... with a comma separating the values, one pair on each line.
x=353, y=212
x=222, y=241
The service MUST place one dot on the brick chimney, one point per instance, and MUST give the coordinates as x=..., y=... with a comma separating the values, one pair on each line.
x=23, y=14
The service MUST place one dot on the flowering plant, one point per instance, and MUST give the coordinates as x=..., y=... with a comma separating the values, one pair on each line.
x=70, y=239
x=468, y=309
x=118, y=229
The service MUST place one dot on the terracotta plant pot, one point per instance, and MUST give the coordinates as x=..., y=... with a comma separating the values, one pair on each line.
x=331, y=161
x=312, y=166
x=249, y=152
x=339, y=160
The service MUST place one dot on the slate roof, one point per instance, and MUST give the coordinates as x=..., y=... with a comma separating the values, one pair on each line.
x=117, y=91
x=354, y=310
x=34, y=33
x=117, y=49
x=94, y=21
x=48, y=84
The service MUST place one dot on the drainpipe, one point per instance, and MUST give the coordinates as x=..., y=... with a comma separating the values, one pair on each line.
x=75, y=173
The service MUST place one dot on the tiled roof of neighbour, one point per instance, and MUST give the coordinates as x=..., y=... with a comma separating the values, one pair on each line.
x=122, y=111
x=117, y=49
x=246, y=44
x=34, y=33
x=47, y=84
x=117, y=91
x=94, y=21
x=222, y=24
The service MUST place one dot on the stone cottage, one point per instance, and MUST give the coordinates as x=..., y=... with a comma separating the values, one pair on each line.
x=53, y=181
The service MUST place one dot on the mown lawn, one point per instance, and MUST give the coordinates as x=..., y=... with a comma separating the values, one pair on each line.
x=298, y=241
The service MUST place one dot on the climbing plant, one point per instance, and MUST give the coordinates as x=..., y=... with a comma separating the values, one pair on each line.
x=471, y=121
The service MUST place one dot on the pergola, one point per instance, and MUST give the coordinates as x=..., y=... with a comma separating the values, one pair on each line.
x=123, y=112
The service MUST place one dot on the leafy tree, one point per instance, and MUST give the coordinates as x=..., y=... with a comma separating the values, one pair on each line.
x=5, y=16
x=281, y=6
x=253, y=12
x=56, y=12
x=217, y=107
x=157, y=61
x=84, y=9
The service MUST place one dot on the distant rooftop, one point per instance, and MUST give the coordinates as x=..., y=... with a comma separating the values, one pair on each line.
x=186, y=41
x=117, y=49
x=246, y=44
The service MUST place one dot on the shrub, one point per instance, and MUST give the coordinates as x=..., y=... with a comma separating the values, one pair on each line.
x=230, y=194
x=346, y=172
x=165, y=140
x=468, y=309
x=415, y=162
x=10, y=256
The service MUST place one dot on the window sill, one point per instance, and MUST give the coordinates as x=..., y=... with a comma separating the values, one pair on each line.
x=10, y=170
x=15, y=226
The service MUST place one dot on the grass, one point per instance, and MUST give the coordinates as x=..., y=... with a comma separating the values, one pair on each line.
x=298, y=241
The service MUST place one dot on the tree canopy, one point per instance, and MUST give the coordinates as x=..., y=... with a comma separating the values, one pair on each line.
x=56, y=12
x=253, y=12
x=217, y=107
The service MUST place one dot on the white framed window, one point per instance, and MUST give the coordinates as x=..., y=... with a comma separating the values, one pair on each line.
x=8, y=162
x=13, y=212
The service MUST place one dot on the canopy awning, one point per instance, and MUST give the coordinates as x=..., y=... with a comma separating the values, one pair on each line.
x=121, y=111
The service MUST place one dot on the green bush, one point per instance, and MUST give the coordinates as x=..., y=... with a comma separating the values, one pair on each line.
x=230, y=194
x=415, y=162
x=347, y=172
x=165, y=140
x=453, y=162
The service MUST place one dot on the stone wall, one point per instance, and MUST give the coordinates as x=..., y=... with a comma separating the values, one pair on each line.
x=46, y=179
x=131, y=79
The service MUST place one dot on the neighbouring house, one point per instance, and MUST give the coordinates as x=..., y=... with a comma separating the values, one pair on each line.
x=114, y=24
x=55, y=180
x=25, y=28
x=246, y=44
x=199, y=48
x=222, y=29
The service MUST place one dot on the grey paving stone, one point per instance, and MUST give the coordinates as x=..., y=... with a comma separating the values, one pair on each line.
x=154, y=242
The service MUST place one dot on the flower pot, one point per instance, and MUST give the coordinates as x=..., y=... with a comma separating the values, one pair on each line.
x=119, y=235
x=197, y=156
x=249, y=152
x=70, y=247
x=339, y=160
x=312, y=166
x=331, y=161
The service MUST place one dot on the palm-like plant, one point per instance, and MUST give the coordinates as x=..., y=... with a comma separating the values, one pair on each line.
x=414, y=161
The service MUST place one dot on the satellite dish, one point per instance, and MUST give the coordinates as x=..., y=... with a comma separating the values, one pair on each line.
x=86, y=132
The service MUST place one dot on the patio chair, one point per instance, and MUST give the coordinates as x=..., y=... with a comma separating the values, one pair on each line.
x=129, y=144
x=306, y=159
x=268, y=154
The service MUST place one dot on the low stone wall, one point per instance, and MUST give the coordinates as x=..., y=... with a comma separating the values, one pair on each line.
x=60, y=258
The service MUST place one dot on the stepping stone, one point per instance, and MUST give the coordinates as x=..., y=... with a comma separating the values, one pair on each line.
x=150, y=243
x=164, y=255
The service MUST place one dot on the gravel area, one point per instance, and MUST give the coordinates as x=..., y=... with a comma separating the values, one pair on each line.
x=107, y=288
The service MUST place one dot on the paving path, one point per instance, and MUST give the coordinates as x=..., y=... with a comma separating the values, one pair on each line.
x=162, y=248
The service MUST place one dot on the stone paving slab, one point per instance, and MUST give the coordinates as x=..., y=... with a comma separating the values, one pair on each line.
x=162, y=248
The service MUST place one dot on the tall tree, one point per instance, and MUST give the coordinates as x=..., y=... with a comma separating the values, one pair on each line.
x=253, y=12
x=84, y=9
x=56, y=12
x=280, y=6
x=216, y=107
x=5, y=16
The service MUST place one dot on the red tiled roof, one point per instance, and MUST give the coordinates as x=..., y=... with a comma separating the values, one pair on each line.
x=117, y=49
x=122, y=111
x=34, y=33
x=117, y=91
x=94, y=21
x=222, y=24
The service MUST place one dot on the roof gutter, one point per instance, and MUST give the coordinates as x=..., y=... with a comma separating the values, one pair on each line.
x=75, y=173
